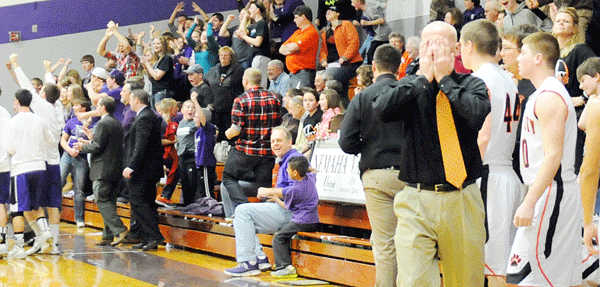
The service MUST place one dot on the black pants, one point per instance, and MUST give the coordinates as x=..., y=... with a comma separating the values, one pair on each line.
x=189, y=177
x=240, y=166
x=282, y=238
x=371, y=52
x=143, y=209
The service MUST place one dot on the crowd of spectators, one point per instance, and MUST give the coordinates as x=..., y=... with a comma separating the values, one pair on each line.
x=284, y=64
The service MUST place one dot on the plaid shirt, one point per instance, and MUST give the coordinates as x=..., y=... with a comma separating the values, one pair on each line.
x=128, y=64
x=256, y=113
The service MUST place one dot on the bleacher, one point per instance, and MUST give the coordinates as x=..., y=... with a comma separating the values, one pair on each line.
x=341, y=245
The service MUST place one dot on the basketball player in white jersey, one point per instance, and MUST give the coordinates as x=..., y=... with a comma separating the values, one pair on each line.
x=547, y=247
x=500, y=185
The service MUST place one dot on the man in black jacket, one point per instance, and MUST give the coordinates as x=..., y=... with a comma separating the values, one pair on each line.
x=106, y=149
x=380, y=149
x=143, y=169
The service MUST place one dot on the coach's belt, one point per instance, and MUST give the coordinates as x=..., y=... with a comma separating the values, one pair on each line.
x=442, y=187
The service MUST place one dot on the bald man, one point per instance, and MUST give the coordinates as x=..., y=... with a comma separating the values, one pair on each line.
x=441, y=207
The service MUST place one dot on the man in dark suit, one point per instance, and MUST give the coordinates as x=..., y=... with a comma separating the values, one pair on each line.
x=106, y=149
x=143, y=169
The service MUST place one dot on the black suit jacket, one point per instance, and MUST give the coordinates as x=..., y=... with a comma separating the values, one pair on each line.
x=143, y=149
x=106, y=150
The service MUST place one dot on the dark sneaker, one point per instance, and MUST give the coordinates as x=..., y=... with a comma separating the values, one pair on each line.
x=263, y=264
x=243, y=269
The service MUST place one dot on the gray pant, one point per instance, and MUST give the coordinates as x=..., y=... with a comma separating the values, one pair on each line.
x=250, y=188
x=106, y=193
x=303, y=78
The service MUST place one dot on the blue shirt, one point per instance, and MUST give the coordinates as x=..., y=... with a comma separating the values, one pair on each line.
x=283, y=179
x=281, y=84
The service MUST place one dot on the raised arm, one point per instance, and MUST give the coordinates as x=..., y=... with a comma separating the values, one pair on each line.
x=224, y=32
x=63, y=71
x=22, y=79
x=115, y=29
x=199, y=110
x=178, y=8
x=12, y=73
x=102, y=46
x=199, y=10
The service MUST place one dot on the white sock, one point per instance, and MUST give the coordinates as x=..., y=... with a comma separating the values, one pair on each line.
x=35, y=228
x=252, y=262
x=3, y=230
x=54, y=231
x=19, y=239
x=42, y=222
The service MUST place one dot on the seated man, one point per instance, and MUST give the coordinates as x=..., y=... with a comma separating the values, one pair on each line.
x=264, y=217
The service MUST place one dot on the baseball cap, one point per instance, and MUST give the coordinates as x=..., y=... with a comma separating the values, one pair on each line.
x=118, y=76
x=333, y=8
x=194, y=69
x=100, y=73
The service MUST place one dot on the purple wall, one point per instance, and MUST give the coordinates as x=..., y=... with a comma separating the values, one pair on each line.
x=59, y=17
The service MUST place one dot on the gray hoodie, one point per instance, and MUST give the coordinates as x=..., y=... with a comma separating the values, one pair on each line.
x=525, y=16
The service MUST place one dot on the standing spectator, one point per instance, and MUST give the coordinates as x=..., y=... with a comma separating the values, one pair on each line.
x=74, y=162
x=115, y=82
x=127, y=61
x=143, y=169
x=340, y=54
x=225, y=82
x=242, y=49
x=492, y=9
x=195, y=75
x=106, y=150
x=473, y=11
x=584, y=10
x=280, y=80
x=264, y=217
x=573, y=52
x=283, y=25
x=344, y=7
x=438, y=169
x=257, y=35
x=180, y=84
x=160, y=70
x=87, y=63
x=373, y=21
x=186, y=153
x=167, y=108
x=518, y=14
x=204, y=44
x=301, y=49
x=204, y=143
x=380, y=147
x=254, y=114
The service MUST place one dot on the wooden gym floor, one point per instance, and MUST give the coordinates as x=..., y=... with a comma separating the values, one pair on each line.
x=83, y=264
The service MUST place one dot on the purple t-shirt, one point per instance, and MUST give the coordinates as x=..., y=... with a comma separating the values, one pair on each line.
x=283, y=178
x=128, y=118
x=116, y=94
x=74, y=128
x=302, y=200
x=204, y=139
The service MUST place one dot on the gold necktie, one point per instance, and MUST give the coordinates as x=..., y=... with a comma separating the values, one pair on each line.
x=454, y=165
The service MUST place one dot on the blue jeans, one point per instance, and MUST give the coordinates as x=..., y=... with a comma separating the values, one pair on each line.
x=156, y=98
x=79, y=169
x=254, y=218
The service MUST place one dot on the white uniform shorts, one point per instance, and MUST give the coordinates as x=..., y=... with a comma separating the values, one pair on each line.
x=504, y=193
x=548, y=252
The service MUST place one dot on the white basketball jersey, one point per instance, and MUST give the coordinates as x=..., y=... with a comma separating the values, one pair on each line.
x=505, y=114
x=532, y=150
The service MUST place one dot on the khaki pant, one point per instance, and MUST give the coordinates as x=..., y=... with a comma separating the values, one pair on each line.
x=445, y=226
x=381, y=186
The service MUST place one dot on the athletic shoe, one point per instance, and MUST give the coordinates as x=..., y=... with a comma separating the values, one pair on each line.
x=3, y=248
x=69, y=194
x=90, y=198
x=287, y=272
x=17, y=252
x=243, y=269
x=263, y=264
x=164, y=202
x=80, y=224
x=44, y=240
x=54, y=250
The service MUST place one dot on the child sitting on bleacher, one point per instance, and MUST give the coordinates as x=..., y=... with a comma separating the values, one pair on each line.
x=302, y=199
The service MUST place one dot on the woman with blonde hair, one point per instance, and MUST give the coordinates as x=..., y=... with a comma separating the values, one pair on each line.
x=572, y=54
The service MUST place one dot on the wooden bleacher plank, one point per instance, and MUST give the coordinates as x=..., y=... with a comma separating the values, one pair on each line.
x=334, y=270
x=337, y=238
x=209, y=242
x=347, y=215
x=331, y=250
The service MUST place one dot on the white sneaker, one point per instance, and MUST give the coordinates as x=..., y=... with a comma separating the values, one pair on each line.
x=69, y=194
x=90, y=198
x=3, y=248
x=17, y=252
x=44, y=240
x=54, y=250
x=80, y=224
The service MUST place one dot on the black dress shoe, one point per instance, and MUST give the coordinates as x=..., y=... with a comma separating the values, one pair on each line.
x=140, y=245
x=131, y=241
x=153, y=244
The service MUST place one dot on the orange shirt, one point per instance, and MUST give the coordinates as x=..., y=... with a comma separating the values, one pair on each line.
x=306, y=56
x=406, y=60
x=346, y=42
